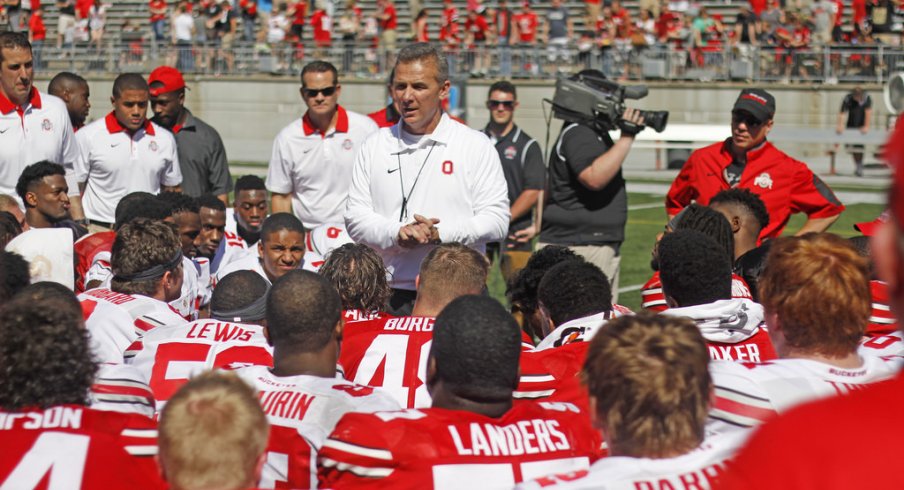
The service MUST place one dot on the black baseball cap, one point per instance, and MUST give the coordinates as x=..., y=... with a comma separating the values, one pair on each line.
x=756, y=101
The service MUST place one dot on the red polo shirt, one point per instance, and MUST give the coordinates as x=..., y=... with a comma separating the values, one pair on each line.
x=784, y=184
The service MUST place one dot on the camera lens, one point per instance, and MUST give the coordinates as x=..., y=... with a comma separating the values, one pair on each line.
x=655, y=119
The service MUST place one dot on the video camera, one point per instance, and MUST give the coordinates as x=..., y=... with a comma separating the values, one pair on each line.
x=587, y=98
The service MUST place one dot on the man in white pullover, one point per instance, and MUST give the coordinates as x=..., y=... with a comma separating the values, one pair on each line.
x=426, y=180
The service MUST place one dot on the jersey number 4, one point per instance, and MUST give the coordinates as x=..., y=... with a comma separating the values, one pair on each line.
x=391, y=351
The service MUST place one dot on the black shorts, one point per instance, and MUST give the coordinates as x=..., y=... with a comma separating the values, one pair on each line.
x=297, y=30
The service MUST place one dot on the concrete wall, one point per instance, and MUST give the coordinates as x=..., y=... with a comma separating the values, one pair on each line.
x=248, y=112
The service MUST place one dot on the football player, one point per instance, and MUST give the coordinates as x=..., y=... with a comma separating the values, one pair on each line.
x=232, y=337
x=815, y=292
x=359, y=275
x=301, y=394
x=391, y=353
x=472, y=436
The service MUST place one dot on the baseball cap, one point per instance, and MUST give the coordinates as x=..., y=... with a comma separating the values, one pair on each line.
x=868, y=228
x=170, y=77
x=756, y=101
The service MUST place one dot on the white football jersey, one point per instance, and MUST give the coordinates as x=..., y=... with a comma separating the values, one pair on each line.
x=121, y=388
x=694, y=470
x=248, y=262
x=303, y=410
x=580, y=329
x=168, y=357
x=116, y=320
x=322, y=240
x=748, y=394
x=891, y=344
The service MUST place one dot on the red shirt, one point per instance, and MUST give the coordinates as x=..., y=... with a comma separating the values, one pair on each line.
x=851, y=441
x=839, y=13
x=83, y=7
x=554, y=375
x=37, y=28
x=881, y=320
x=390, y=353
x=478, y=27
x=85, y=250
x=784, y=184
x=301, y=11
x=78, y=446
x=158, y=4
x=527, y=26
x=322, y=27
x=384, y=117
x=758, y=6
x=392, y=21
x=449, y=29
x=859, y=7
x=440, y=448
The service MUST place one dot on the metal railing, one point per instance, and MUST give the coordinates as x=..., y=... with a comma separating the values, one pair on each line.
x=620, y=61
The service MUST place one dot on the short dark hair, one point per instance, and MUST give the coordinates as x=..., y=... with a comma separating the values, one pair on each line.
x=747, y=200
x=14, y=275
x=302, y=311
x=476, y=347
x=522, y=287
x=211, y=201
x=693, y=268
x=13, y=40
x=278, y=222
x=503, y=86
x=424, y=52
x=9, y=228
x=359, y=275
x=34, y=173
x=320, y=66
x=238, y=290
x=139, y=246
x=574, y=289
x=63, y=81
x=709, y=222
x=48, y=291
x=139, y=205
x=249, y=182
x=129, y=81
x=45, y=356
x=177, y=202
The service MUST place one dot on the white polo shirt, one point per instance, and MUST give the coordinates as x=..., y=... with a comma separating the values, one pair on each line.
x=460, y=182
x=40, y=130
x=115, y=163
x=317, y=168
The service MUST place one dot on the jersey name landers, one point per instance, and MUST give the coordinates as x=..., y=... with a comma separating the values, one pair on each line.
x=302, y=411
x=70, y=446
x=446, y=449
x=117, y=320
x=390, y=353
x=168, y=357
x=748, y=394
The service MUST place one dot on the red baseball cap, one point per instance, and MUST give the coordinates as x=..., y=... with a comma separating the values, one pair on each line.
x=170, y=77
x=868, y=228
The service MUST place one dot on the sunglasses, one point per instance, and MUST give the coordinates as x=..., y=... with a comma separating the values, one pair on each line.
x=314, y=92
x=748, y=119
x=508, y=104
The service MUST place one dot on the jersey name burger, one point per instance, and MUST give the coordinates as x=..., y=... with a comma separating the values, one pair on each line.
x=524, y=437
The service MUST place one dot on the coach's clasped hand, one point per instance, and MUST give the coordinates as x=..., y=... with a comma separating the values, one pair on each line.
x=422, y=231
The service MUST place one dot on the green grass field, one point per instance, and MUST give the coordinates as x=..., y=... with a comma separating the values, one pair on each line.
x=644, y=224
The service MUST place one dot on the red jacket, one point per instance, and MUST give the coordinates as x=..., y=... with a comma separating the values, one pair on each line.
x=784, y=184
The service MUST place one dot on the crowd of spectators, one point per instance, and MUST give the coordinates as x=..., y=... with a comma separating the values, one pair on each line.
x=500, y=38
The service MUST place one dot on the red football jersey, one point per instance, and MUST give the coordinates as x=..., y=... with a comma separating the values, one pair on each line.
x=881, y=321
x=527, y=26
x=445, y=449
x=390, y=353
x=70, y=446
x=86, y=250
x=553, y=375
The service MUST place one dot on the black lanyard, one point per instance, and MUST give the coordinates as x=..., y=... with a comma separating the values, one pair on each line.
x=404, y=213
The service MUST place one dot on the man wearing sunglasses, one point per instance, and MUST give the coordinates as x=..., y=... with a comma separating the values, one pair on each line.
x=747, y=161
x=310, y=169
x=525, y=174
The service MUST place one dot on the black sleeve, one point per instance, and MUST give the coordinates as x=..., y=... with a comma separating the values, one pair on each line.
x=580, y=147
x=846, y=104
x=868, y=102
x=533, y=169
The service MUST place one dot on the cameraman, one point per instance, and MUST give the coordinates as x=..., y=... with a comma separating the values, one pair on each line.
x=588, y=205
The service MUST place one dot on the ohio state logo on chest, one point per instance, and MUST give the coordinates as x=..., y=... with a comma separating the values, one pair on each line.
x=763, y=180
x=153, y=145
x=347, y=144
x=448, y=167
x=510, y=153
